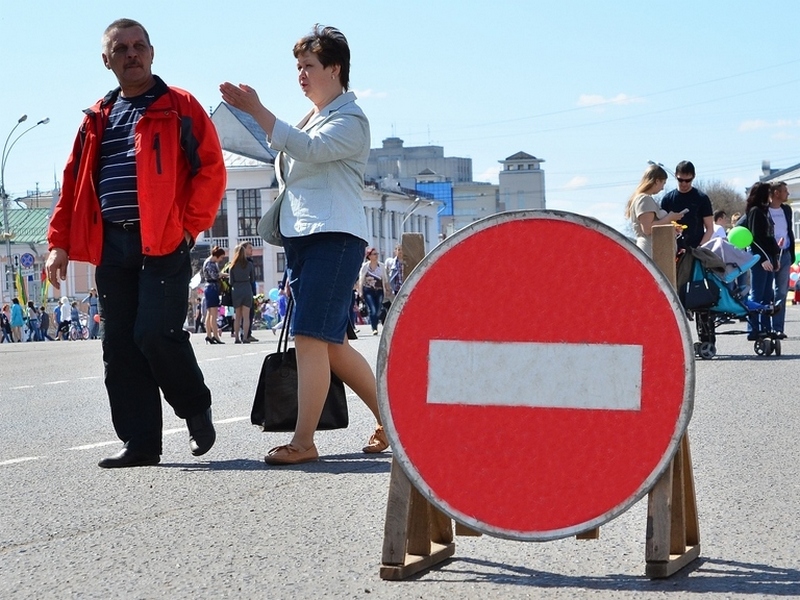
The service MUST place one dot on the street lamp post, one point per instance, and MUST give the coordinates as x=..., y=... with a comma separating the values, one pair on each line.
x=7, y=234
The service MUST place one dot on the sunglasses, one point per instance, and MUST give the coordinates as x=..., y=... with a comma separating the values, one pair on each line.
x=681, y=180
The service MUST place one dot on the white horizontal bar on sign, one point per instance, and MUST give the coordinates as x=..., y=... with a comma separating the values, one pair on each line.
x=587, y=376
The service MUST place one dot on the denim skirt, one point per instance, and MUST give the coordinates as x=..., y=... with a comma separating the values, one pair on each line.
x=322, y=269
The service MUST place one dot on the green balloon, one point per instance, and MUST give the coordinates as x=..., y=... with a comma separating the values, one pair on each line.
x=740, y=237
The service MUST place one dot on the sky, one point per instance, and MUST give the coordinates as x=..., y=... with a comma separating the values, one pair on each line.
x=596, y=89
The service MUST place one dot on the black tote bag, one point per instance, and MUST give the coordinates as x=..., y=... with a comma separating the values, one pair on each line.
x=275, y=402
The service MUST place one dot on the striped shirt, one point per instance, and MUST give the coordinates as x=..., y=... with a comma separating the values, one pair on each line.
x=117, y=184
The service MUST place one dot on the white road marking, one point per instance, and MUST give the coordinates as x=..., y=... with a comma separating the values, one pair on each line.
x=14, y=461
x=232, y=420
x=92, y=446
x=578, y=376
x=22, y=387
x=55, y=382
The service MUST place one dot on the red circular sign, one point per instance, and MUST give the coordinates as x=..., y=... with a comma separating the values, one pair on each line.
x=535, y=375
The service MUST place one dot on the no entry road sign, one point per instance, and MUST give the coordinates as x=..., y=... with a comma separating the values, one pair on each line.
x=536, y=375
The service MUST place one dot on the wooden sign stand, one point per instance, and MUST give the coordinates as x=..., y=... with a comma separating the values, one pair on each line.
x=673, y=528
x=418, y=536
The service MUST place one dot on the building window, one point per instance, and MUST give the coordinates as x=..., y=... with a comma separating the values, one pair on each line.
x=280, y=261
x=220, y=227
x=796, y=219
x=248, y=207
x=258, y=268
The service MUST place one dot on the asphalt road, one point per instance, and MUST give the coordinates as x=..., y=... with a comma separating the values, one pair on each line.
x=227, y=526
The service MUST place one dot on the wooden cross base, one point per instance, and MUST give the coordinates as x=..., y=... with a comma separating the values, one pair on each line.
x=417, y=535
x=673, y=530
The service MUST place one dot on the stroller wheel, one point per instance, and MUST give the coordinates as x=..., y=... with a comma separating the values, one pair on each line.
x=763, y=347
x=777, y=344
x=707, y=350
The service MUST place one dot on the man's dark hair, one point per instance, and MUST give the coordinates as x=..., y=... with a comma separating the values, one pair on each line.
x=720, y=214
x=330, y=47
x=685, y=167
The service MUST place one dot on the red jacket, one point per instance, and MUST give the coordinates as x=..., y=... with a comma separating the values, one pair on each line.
x=179, y=170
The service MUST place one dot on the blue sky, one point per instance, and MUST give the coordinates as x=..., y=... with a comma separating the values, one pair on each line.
x=596, y=89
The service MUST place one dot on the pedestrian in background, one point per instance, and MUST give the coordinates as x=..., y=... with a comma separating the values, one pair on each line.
x=643, y=211
x=64, y=318
x=5, y=324
x=761, y=226
x=322, y=227
x=33, y=323
x=242, y=277
x=373, y=283
x=396, y=269
x=44, y=324
x=695, y=206
x=721, y=225
x=145, y=178
x=212, y=292
x=17, y=320
x=783, y=231
x=199, y=315
x=93, y=311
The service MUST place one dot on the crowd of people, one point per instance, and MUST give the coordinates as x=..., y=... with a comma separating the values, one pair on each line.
x=767, y=216
x=33, y=323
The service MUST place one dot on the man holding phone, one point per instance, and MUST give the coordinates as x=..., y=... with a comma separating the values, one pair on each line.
x=698, y=215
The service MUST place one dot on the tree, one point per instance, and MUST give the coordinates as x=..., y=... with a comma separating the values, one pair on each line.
x=723, y=196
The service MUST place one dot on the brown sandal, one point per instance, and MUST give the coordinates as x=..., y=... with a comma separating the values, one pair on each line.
x=289, y=455
x=378, y=442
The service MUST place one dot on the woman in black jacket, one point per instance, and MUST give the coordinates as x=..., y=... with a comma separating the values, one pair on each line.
x=760, y=225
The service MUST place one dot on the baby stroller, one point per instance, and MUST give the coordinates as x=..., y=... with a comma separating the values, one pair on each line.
x=710, y=287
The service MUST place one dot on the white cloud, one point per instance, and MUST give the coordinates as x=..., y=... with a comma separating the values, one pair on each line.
x=596, y=100
x=783, y=135
x=369, y=93
x=576, y=182
x=491, y=174
x=756, y=124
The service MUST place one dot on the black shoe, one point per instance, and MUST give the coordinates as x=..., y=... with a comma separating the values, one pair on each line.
x=201, y=432
x=780, y=335
x=128, y=458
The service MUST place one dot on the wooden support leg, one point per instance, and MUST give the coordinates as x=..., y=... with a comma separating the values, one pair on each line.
x=672, y=539
x=415, y=535
x=592, y=534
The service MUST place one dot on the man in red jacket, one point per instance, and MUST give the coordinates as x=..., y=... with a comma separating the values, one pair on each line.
x=145, y=177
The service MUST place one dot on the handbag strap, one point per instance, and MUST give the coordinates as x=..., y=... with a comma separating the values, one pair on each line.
x=283, y=341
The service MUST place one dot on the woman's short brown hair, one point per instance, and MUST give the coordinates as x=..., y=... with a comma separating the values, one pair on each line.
x=330, y=47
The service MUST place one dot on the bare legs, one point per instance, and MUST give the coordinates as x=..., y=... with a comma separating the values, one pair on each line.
x=315, y=361
x=241, y=322
x=212, y=329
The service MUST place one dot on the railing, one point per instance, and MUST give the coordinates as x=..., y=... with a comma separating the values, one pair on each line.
x=224, y=242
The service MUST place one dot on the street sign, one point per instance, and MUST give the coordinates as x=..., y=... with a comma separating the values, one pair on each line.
x=27, y=260
x=535, y=375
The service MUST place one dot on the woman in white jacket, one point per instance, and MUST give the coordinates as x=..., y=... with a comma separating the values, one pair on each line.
x=322, y=227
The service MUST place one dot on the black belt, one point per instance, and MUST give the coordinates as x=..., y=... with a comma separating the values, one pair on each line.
x=125, y=225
